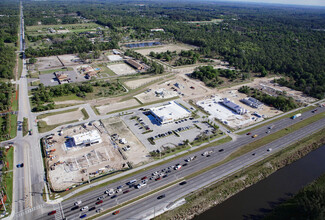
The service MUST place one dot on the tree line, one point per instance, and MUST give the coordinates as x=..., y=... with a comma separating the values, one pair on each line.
x=280, y=102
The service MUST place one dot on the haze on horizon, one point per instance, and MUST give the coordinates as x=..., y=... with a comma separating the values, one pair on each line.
x=288, y=2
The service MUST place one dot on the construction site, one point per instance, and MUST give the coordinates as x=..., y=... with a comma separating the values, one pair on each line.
x=77, y=154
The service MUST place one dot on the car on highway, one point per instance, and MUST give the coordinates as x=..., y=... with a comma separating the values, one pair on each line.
x=144, y=178
x=100, y=198
x=52, y=212
x=119, y=187
x=99, y=210
x=91, y=209
x=113, y=196
x=161, y=196
x=99, y=202
x=267, y=131
x=248, y=133
x=75, y=208
x=254, y=136
x=116, y=212
x=155, y=173
x=20, y=165
x=126, y=191
x=269, y=149
x=78, y=202
x=177, y=167
x=84, y=208
x=183, y=183
x=185, y=164
x=221, y=150
x=253, y=154
x=83, y=216
x=159, y=178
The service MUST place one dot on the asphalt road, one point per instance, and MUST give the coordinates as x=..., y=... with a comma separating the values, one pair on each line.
x=89, y=199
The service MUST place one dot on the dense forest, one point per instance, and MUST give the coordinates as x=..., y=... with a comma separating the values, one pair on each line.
x=8, y=37
x=257, y=39
x=211, y=76
x=280, y=102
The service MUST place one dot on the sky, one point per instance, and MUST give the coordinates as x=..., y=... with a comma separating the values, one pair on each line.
x=296, y=2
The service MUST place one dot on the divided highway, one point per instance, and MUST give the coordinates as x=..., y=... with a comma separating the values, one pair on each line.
x=69, y=210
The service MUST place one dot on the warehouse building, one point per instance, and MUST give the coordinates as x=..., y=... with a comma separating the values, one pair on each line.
x=135, y=64
x=236, y=108
x=252, y=102
x=169, y=113
x=87, y=138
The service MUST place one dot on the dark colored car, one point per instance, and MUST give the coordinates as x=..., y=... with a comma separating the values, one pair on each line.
x=99, y=202
x=74, y=208
x=83, y=216
x=162, y=196
x=159, y=178
x=52, y=212
x=20, y=165
x=221, y=150
x=113, y=196
x=92, y=208
x=183, y=183
x=249, y=133
x=143, y=178
x=126, y=191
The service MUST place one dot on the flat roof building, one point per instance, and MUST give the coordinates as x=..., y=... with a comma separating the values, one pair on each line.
x=169, y=113
x=250, y=101
x=87, y=138
x=236, y=108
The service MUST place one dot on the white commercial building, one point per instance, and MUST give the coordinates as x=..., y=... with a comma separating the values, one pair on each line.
x=170, y=112
x=87, y=138
x=236, y=108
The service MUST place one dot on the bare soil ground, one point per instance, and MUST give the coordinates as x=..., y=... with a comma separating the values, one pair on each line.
x=137, y=153
x=133, y=84
x=44, y=63
x=73, y=164
x=64, y=117
x=104, y=109
x=69, y=59
x=164, y=48
x=121, y=69
x=168, y=89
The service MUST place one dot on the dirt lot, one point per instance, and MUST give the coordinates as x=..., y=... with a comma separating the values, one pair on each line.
x=44, y=63
x=104, y=109
x=164, y=48
x=71, y=165
x=69, y=59
x=137, y=153
x=64, y=117
x=121, y=69
x=167, y=90
x=133, y=84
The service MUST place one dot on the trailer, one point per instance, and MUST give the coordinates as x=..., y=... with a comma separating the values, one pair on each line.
x=296, y=116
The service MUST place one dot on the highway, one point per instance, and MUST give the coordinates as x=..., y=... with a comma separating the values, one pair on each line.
x=29, y=180
x=89, y=199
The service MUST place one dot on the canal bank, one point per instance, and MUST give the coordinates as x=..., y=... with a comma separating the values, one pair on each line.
x=261, y=198
x=205, y=199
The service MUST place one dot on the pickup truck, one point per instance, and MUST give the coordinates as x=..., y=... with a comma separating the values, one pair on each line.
x=206, y=153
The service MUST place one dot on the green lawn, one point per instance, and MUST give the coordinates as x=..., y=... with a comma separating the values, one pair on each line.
x=67, y=97
x=25, y=126
x=105, y=69
x=56, y=113
x=85, y=113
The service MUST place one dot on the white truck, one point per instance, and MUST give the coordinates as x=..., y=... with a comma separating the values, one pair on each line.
x=296, y=116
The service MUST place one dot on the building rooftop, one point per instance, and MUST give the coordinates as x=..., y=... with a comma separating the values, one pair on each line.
x=170, y=112
x=87, y=137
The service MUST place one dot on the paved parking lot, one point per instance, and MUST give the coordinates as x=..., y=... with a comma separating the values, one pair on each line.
x=50, y=79
x=169, y=139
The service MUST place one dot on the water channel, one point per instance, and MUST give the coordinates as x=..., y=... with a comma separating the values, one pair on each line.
x=258, y=200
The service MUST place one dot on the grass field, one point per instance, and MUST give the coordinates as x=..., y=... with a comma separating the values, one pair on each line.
x=105, y=69
x=67, y=97
x=74, y=28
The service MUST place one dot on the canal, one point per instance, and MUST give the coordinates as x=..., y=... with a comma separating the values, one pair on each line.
x=258, y=200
